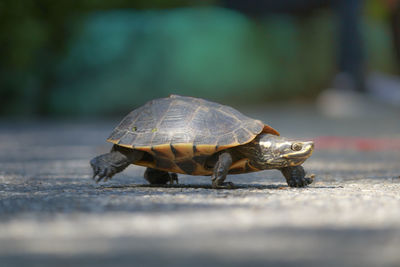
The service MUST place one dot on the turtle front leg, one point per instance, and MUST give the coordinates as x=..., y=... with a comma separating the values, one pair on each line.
x=154, y=176
x=106, y=165
x=295, y=176
x=221, y=169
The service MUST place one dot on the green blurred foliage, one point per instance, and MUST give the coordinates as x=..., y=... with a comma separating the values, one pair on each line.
x=106, y=57
x=33, y=35
x=120, y=59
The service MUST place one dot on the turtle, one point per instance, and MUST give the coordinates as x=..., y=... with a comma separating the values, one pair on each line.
x=188, y=135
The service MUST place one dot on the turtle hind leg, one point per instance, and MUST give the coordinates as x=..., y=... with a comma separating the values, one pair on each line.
x=295, y=176
x=154, y=176
x=106, y=165
x=220, y=171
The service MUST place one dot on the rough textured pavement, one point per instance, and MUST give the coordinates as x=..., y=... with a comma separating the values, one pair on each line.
x=52, y=213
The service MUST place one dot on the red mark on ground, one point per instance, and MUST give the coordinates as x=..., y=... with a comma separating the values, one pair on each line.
x=356, y=143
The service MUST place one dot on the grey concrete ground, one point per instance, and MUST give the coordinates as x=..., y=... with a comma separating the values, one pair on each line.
x=52, y=213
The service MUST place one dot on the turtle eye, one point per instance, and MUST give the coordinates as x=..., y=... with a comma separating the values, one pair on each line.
x=297, y=146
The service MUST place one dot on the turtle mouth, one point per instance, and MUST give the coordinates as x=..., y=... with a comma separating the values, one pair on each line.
x=303, y=154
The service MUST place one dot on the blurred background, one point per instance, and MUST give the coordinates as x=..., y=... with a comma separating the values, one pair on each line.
x=322, y=70
x=104, y=58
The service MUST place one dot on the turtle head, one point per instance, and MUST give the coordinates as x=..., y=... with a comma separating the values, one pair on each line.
x=277, y=152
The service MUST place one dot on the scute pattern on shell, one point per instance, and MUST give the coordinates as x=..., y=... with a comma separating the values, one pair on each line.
x=185, y=120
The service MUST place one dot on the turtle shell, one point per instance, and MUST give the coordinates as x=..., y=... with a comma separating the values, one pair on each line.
x=179, y=128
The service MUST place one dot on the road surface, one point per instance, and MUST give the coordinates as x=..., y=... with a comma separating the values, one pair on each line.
x=52, y=213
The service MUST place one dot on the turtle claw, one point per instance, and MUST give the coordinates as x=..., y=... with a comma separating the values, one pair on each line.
x=295, y=176
x=95, y=171
x=154, y=176
x=224, y=185
x=102, y=169
x=173, y=177
x=300, y=182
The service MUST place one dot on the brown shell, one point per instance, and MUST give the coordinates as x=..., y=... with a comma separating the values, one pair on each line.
x=179, y=132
